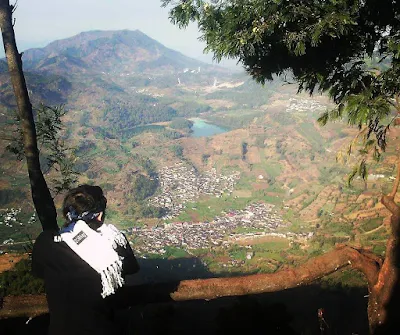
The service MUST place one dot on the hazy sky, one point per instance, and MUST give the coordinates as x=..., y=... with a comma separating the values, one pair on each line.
x=39, y=22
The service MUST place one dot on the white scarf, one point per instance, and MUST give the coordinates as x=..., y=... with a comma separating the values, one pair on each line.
x=97, y=248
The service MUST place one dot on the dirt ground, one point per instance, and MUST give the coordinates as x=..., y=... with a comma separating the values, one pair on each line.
x=23, y=306
x=8, y=261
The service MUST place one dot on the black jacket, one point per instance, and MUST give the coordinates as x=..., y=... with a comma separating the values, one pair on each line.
x=73, y=288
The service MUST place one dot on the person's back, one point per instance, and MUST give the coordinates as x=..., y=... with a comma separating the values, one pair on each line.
x=80, y=270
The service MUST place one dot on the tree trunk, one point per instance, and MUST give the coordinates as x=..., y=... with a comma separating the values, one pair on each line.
x=42, y=199
x=384, y=298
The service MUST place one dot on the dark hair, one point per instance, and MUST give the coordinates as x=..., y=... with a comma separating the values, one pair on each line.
x=85, y=198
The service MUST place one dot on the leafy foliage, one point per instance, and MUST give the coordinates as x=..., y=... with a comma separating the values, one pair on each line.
x=348, y=49
x=181, y=123
x=177, y=149
x=20, y=280
x=147, y=165
x=54, y=153
x=143, y=187
x=148, y=211
x=204, y=158
x=124, y=116
x=244, y=150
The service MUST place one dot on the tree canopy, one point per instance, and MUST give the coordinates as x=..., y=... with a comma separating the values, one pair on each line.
x=322, y=42
x=349, y=49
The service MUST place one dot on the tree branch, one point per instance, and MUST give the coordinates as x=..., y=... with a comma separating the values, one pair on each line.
x=388, y=202
x=396, y=182
x=306, y=273
x=214, y=288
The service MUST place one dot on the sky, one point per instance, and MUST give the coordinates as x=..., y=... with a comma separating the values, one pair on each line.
x=39, y=22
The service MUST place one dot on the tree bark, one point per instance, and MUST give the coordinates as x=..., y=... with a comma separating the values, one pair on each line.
x=304, y=274
x=384, y=299
x=41, y=195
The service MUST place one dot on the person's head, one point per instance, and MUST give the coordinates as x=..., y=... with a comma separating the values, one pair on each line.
x=88, y=200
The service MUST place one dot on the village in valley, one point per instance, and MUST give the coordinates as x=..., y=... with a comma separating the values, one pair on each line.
x=180, y=185
x=258, y=219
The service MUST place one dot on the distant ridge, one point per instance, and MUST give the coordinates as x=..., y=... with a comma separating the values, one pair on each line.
x=107, y=51
x=108, y=70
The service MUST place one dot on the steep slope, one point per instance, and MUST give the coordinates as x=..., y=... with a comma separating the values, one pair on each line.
x=113, y=75
x=50, y=89
x=108, y=52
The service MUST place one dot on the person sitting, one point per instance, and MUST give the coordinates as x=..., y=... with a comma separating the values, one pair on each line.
x=83, y=266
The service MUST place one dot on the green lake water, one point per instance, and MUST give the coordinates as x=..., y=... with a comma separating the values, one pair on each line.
x=201, y=128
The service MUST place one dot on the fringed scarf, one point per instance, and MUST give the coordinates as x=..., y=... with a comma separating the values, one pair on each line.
x=96, y=248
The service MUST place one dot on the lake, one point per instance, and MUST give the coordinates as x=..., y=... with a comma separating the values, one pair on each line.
x=201, y=128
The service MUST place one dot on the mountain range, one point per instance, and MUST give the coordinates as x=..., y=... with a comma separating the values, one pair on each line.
x=107, y=52
x=90, y=65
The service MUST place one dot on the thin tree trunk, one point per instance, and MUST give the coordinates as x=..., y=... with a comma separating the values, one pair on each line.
x=384, y=299
x=42, y=199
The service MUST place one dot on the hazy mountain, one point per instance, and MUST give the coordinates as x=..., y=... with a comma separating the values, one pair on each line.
x=108, y=51
x=93, y=65
x=48, y=88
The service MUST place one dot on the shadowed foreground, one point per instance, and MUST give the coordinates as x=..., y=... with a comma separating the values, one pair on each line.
x=292, y=311
x=167, y=281
x=153, y=311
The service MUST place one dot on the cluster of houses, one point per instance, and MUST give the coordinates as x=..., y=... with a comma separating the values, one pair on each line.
x=222, y=231
x=304, y=105
x=181, y=184
x=9, y=217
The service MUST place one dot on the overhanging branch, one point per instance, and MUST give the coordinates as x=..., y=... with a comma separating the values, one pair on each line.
x=214, y=288
x=306, y=273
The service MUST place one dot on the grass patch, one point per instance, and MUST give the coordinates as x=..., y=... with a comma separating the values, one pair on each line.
x=238, y=253
x=273, y=245
x=307, y=202
x=244, y=182
x=297, y=225
x=274, y=169
x=111, y=170
x=245, y=230
x=328, y=207
x=377, y=236
x=268, y=254
x=338, y=228
x=379, y=249
x=308, y=131
x=276, y=189
x=345, y=278
x=208, y=209
x=372, y=224
x=271, y=199
x=173, y=252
